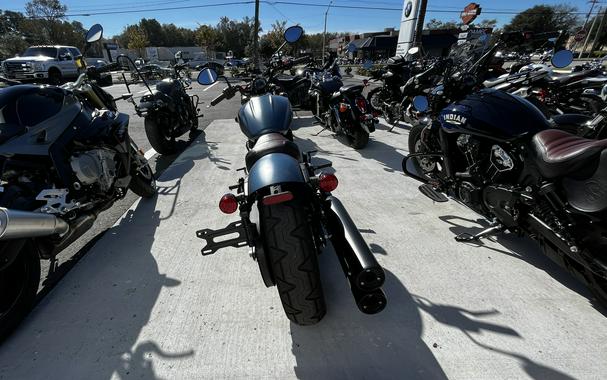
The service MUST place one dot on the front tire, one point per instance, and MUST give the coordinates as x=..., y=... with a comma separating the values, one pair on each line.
x=18, y=286
x=158, y=136
x=359, y=138
x=290, y=250
x=54, y=77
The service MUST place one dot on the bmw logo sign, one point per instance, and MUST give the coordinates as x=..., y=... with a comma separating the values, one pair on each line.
x=408, y=8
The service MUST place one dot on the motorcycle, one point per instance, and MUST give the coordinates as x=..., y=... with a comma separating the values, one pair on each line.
x=297, y=214
x=498, y=155
x=342, y=109
x=168, y=110
x=65, y=156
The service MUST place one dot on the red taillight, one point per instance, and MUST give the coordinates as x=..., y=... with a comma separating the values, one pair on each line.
x=327, y=182
x=273, y=199
x=361, y=103
x=343, y=107
x=228, y=204
x=542, y=94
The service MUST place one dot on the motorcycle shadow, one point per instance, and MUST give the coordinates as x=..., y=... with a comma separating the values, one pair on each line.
x=524, y=249
x=350, y=344
x=97, y=313
x=177, y=165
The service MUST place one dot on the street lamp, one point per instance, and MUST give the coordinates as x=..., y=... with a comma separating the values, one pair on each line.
x=324, y=33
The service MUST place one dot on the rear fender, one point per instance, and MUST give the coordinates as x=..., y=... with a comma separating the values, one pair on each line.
x=274, y=169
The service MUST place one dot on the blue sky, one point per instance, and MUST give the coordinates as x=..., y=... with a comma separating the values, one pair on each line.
x=311, y=18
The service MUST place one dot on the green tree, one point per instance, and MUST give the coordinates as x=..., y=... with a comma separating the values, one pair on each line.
x=153, y=30
x=545, y=18
x=207, y=37
x=137, y=39
x=47, y=18
x=12, y=39
x=438, y=24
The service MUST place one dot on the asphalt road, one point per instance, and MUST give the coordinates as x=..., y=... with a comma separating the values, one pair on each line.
x=52, y=272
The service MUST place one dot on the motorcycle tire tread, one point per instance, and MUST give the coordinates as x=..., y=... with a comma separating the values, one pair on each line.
x=293, y=261
x=159, y=142
x=359, y=138
x=27, y=300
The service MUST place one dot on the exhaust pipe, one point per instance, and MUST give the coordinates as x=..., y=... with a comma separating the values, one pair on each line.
x=16, y=224
x=369, y=302
x=357, y=261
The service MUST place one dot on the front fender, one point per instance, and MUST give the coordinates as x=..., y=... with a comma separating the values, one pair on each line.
x=273, y=169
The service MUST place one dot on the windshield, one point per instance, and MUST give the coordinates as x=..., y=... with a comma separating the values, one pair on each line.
x=43, y=51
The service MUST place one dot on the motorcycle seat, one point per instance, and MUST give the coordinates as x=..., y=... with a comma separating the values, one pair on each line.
x=287, y=82
x=566, y=78
x=351, y=89
x=559, y=153
x=271, y=143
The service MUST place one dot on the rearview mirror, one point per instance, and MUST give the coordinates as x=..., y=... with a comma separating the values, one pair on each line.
x=293, y=34
x=207, y=76
x=420, y=103
x=562, y=59
x=94, y=34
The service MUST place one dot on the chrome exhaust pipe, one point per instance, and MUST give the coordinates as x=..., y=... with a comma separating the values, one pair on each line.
x=17, y=224
x=356, y=259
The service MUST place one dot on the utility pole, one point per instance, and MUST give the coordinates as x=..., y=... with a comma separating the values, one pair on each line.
x=593, y=2
x=589, y=33
x=324, y=33
x=598, y=31
x=256, y=37
x=421, y=15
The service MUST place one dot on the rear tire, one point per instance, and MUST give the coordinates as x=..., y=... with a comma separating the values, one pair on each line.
x=18, y=287
x=359, y=138
x=290, y=250
x=54, y=77
x=374, y=97
x=161, y=143
x=143, y=182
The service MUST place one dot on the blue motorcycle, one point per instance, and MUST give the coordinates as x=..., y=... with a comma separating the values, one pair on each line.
x=297, y=213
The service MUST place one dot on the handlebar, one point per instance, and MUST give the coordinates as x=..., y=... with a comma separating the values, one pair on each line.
x=218, y=99
x=300, y=60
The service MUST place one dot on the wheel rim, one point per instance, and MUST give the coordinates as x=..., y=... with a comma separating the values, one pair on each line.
x=13, y=281
x=424, y=163
x=376, y=101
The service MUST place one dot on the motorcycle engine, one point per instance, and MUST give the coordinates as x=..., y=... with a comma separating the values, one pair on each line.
x=95, y=168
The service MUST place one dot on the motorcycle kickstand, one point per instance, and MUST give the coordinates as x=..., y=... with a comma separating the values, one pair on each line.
x=493, y=230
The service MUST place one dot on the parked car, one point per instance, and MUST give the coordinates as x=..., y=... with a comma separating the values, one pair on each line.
x=44, y=63
x=152, y=71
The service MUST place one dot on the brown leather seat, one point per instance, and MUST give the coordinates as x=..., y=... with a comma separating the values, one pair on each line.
x=271, y=143
x=559, y=153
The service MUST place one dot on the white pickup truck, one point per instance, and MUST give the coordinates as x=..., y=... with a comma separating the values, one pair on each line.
x=43, y=63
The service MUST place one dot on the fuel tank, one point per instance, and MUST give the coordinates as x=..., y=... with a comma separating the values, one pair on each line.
x=493, y=114
x=168, y=86
x=265, y=114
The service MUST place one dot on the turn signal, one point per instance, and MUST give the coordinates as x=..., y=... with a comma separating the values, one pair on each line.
x=327, y=182
x=228, y=204
x=343, y=107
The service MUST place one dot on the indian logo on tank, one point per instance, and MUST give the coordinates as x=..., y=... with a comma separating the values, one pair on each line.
x=455, y=119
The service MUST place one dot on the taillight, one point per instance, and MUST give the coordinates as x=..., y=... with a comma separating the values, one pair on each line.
x=273, y=199
x=228, y=204
x=361, y=103
x=327, y=182
x=542, y=94
x=343, y=107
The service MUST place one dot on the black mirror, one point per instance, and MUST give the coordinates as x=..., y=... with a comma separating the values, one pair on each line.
x=562, y=59
x=207, y=76
x=420, y=103
x=94, y=34
x=293, y=34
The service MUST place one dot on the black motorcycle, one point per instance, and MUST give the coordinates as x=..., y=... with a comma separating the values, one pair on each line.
x=297, y=213
x=342, y=109
x=168, y=110
x=65, y=156
x=497, y=154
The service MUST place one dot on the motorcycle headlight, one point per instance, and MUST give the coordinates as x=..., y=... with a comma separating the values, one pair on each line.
x=39, y=66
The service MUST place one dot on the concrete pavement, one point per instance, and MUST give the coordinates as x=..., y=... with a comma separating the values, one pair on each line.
x=144, y=303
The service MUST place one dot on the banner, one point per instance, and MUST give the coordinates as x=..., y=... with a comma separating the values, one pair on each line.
x=408, y=23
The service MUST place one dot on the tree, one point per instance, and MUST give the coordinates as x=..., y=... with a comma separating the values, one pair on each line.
x=137, y=39
x=544, y=18
x=47, y=18
x=438, y=24
x=12, y=38
x=272, y=40
x=153, y=30
x=487, y=24
x=207, y=37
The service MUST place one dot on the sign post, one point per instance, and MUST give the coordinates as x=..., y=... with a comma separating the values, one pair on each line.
x=408, y=26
